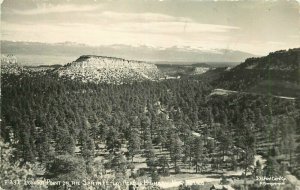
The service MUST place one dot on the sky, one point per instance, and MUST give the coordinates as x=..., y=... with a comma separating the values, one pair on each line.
x=253, y=26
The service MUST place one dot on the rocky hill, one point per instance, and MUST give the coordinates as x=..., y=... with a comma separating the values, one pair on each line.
x=9, y=65
x=277, y=74
x=101, y=69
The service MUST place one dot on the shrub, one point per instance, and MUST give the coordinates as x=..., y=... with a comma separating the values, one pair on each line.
x=141, y=172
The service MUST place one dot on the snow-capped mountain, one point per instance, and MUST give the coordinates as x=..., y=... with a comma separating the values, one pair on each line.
x=34, y=53
x=101, y=69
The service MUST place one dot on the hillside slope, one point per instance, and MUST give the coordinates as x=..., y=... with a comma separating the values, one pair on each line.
x=277, y=74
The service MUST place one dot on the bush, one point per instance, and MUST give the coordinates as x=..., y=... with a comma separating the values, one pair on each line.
x=141, y=172
x=189, y=187
x=134, y=175
x=167, y=172
x=164, y=172
x=195, y=187
x=296, y=173
x=131, y=166
x=155, y=177
x=224, y=181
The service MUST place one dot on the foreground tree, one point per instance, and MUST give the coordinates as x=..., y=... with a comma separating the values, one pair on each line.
x=175, y=150
x=257, y=169
x=188, y=149
x=10, y=171
x=198, y=157
x=67, y=168
x=247, y=143
x=151, y=160
x=271, y=168
x=164, y=164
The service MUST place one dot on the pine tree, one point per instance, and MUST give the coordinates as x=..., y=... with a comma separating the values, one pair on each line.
x=10, y=170
x=134, y=143
x=66, y=168
x=112, y=140
x=151, y=160
x=198, y=156
x=64, y=142
x=247, y=143
x=271, y=168
x=164, y=164
x=175, y=149
x=119, y=163
x=188, y=148
x=226, y=140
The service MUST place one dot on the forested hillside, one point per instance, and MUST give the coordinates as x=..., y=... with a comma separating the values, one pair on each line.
x=142, y=130
x=277, y=74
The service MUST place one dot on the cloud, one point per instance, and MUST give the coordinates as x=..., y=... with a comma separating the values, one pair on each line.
x=156, y=23
x=246, y=26
x=48, y=8
x=140, y=17
x=161, y=31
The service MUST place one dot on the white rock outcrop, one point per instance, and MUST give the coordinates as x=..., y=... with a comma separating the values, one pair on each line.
x=9, y=65
x=108, y=70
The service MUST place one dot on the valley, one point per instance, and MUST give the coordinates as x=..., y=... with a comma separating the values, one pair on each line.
x=175, y=126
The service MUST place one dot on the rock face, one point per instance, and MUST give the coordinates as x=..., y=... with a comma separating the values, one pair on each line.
x=100, y=69
x=200, y=70
x=8, y=59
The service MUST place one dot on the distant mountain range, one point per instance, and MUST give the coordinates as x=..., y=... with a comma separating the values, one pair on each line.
x=33, y=53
